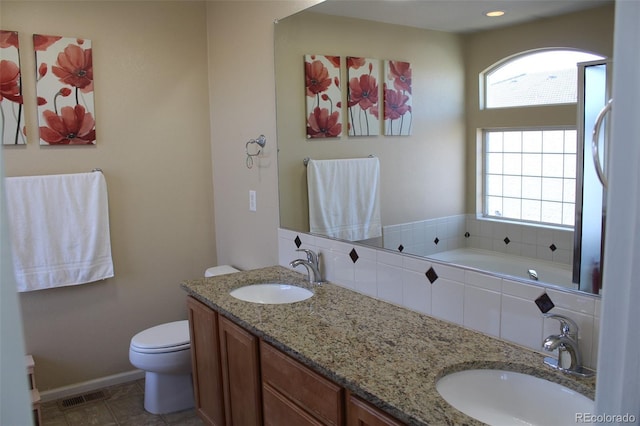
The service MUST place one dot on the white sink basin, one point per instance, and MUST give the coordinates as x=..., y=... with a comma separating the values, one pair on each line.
x=271, y=294
x=499, y=397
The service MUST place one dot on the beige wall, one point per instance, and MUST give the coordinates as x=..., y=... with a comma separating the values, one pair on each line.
x=590, y=30
x=152, y=115
x=422, y=175
x=242, y=100
x=165, y=114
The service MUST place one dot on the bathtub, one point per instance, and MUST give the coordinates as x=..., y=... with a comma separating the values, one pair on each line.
x=507, y=264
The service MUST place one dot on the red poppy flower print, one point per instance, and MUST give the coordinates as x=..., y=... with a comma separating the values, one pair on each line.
x=8, y=39
x=354, y=62
x=395, y=104
x=42, y=70
x=317, y=78
x=75, y=67
x=323, y=96
x=362, y=96
x=363, y=91
x=375, y=111
x=42, y=42
x=321, y=124
x=334, y=60
x=401, y=74
x=74, y=126
x=10, y=81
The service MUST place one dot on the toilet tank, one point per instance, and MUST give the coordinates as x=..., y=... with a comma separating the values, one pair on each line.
x=220, y=270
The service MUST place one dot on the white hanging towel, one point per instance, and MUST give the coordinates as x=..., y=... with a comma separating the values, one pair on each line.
x=344, y=198
x=59, y=228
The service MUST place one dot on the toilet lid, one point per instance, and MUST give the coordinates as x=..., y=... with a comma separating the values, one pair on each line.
x=170, y=336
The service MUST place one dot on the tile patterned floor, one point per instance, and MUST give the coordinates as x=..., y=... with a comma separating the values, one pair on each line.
x=124, y=406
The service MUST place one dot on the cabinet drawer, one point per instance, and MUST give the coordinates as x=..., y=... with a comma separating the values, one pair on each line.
x=309, y=390
x=278, y=410
x=361, y=413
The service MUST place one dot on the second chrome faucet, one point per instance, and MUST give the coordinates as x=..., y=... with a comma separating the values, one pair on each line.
x=312, y=263
x=567, y=344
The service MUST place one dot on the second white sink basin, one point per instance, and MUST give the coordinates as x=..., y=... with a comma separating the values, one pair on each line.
x=271, y=294
x=499, y=397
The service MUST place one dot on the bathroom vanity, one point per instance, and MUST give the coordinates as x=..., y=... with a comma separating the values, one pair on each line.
x=336, y=358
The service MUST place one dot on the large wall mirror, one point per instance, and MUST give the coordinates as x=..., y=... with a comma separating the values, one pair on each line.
x=430, y=181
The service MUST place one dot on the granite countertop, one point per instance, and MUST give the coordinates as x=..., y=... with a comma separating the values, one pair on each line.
x=387, y=355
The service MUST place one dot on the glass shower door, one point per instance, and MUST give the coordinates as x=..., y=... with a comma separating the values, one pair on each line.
x=593, y=95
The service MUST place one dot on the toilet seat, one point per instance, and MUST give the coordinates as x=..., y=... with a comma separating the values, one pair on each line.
x=169, y=337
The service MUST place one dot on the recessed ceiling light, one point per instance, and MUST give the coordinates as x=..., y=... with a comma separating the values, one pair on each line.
x=494, y=13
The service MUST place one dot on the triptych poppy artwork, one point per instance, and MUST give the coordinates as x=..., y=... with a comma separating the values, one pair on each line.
x=364, y=109
x=64, y=90
x=11, y=105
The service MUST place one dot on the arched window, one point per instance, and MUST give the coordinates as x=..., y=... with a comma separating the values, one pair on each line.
x=529, y=173
x=543, y=77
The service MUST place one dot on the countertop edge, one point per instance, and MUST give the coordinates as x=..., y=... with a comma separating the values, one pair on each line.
x=583, y=386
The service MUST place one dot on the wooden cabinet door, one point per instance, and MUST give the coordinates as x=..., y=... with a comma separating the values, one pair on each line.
x=361, y=413
x=205, y=362
x=240, y=375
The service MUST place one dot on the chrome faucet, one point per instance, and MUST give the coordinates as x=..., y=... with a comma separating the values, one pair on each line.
x=312, y=263
x=567, y=343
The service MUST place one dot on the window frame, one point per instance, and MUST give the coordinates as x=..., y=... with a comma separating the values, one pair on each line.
x=483, y=213
x=511, y=122
x=483, y=86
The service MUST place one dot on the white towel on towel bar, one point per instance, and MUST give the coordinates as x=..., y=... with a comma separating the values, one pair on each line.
x=344, y=198
x=59, y=228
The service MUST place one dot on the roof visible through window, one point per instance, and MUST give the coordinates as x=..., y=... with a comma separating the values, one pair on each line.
x=541, y=78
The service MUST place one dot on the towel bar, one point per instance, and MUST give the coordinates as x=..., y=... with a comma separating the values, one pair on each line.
x=305, y=160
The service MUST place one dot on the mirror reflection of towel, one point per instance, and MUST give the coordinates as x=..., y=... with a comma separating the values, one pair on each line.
x=59, y=229
x=344, y=198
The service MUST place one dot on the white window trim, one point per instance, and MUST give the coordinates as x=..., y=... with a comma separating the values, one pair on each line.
x=483, y=213
x=485, y=73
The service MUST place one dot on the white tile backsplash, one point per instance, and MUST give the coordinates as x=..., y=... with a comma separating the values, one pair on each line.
x=561, y=299
x=389, y=283
x=521, y=290
x=595, y=338
x=524, y=240
x=487, y=282
x=388, y=258
x=447, y=300
x=366, y=277
x=416, y=265
x=497, y=307
x=449, y=272
x=482, y=310
x=521, y=322
x=416, y=291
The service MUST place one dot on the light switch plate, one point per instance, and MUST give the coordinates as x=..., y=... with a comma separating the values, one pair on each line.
x=252, y=200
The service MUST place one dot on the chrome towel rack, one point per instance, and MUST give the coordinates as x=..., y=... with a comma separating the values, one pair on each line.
x=306, y=160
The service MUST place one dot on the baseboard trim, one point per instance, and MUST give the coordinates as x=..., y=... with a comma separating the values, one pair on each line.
x=91, y=385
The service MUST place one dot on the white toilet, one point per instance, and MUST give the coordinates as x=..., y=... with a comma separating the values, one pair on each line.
x=164, y=353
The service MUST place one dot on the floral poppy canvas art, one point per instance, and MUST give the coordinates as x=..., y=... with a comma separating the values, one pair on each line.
x=362, y=96
x=12, y=130
x=64, y=87
x=324, y=96
x=397, y=98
